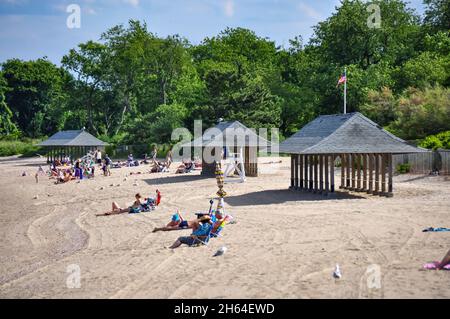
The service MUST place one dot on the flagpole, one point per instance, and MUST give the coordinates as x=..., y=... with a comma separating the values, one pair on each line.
x=345, y=91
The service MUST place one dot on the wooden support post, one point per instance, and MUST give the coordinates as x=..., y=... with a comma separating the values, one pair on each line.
x=342, y=171
x=364, y=185
x=348, y=163
x=358, y=168
x=383, y=174
x=316, y=173
x=296, y=172
x=311, y=174
x=301, y=171
x=306, y=173
x=390, y=192
x=377, y=174
x=332, y=174
x=370, y=171
x=353, y=187
x=321, y=184
x=292, y=171
x=327, y=174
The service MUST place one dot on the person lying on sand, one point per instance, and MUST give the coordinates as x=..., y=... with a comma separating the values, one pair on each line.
x=185, y=167
x=178, y=223
x=116, y=209
x=200, y=231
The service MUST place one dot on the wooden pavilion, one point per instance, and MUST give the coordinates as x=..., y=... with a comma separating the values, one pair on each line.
x=364, y=148
x=71, y=143
x=231, y=137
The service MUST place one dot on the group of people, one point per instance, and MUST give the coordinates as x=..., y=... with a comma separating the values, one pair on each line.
x=204, y=227
x=140, y=205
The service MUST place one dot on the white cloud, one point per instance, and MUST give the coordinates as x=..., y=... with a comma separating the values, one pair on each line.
x=309, y=11
x=229, y=8
x=134, y=3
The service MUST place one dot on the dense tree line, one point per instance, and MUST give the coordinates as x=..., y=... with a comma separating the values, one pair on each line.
x=133, y=86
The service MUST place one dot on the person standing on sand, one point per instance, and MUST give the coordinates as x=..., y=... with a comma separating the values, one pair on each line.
x=98, y=156
x=154, y=153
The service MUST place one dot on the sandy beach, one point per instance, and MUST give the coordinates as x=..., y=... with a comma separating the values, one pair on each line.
x=285, y=244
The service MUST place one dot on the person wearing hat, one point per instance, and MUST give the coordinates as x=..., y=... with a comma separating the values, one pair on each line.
x=178, y=223
x=203, y=227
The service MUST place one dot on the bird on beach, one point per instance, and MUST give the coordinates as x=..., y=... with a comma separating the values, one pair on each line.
x=220, y=252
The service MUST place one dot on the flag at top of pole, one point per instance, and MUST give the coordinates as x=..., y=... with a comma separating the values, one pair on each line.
x=343, y=79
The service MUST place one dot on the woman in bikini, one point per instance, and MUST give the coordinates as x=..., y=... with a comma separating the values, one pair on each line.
x=116, y=210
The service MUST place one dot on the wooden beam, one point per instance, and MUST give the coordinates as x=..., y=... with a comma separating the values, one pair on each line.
x=377, y=174
x=358, y=168
x=383, y=174
x=311, y=174
x=320, y=174
x=295, y=171
x=292, y=172
x=342, y=171
x=332, y=174
x=306, y=173
x=327, y=174
x=316, y=173
x=364, y=185
x=370, y=171
x=301, y=171
x=353, y=163
x=390, y=192
x=348, y=162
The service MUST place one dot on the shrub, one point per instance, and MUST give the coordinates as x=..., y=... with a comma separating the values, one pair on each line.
x=24, y=148
x=403, y=168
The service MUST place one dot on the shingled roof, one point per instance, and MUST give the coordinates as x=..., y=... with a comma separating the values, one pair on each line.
x=72, y=138
x=224, y=134
x=345, y=133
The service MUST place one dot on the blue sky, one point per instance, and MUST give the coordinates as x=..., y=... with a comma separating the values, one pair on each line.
x=30, y=29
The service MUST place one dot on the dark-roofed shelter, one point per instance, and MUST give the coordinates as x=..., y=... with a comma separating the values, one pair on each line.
x=365, y=150
x=232, y=136
x=71, y=143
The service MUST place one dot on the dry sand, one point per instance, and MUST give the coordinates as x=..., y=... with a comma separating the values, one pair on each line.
x=285, y=244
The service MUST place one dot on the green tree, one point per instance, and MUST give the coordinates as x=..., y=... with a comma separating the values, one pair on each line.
x=36, y=95
x=7, y=127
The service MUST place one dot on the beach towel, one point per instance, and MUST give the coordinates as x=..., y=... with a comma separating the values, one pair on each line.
x=434, y=265
x=439, y=229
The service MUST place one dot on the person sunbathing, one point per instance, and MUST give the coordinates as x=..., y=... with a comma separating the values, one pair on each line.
x=178, y=223
x=116, y=209
x=199, y=234
x=185, y=167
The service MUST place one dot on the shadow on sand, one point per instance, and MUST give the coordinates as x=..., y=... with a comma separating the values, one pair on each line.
x=268, y=197
x=176, y=179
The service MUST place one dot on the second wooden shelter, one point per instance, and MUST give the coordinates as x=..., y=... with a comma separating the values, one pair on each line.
x=226, y=138
x=364, y=148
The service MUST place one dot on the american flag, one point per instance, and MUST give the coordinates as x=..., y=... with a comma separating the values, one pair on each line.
x=342, y=79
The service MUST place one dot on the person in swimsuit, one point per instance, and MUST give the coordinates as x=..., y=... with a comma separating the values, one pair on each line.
x=116, y=210
x=201, y=230
x=178, y=223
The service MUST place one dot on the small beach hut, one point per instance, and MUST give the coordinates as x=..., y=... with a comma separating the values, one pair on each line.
x=75, y=144
x=364, y=148
x=230, y=137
